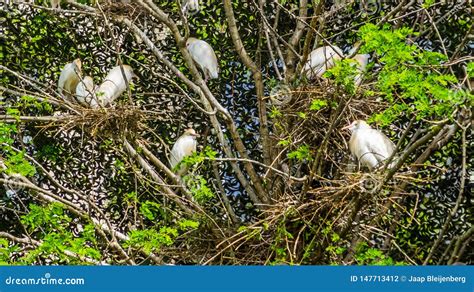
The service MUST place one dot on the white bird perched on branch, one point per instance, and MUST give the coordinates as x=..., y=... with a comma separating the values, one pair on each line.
x=320, y=60
x=203, y=54
x=362, y=61
x=114, y=84
x=85, y=92
x=190, y=7
x=184, y=146
x=371, y=147
x=70, y=77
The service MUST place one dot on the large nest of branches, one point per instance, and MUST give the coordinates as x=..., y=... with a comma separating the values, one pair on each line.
x=313, y=116
x=335, y=192
x=111, y=122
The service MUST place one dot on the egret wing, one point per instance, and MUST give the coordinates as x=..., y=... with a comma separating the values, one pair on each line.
x=320, y=60
x=64, y=76
x=205, y=57
x=380, y=145
x=360, y=146
x=184, y=146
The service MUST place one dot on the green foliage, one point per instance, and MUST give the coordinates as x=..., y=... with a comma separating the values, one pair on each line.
x=119, y=166
x=428, y=3
x=197, y=158
x=279, y=246
x=47, y=219
x=284, y=142
x=302, y=115
x=344, y=73
x=186, y=224
x=275, y=113
x=50, y=152
x=419, y=223
x=6, y=251
x=371, y=256
x=51, y=225
x=6, y=135
x=251, y=233
x=29, y=102
x=470, y=69
x=302, y=153
x=335, y=239
x=198, y=187
x=14, y=113
x=15, y=161
x=197, y=183
x=408, y=79
x=151, y=240
x=317, y=104
x=150, y=209
x=17, y=164
x=131, y=198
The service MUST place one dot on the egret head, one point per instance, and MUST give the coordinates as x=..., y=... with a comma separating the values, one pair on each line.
x=134, y=76
x=355, y=125
x=129, y=74
x=77, y=62
x=190, y=40
x=191, y=132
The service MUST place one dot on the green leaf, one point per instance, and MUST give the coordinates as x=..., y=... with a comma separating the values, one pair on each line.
x=150, y=209
x=317, y=104
x=302, y=153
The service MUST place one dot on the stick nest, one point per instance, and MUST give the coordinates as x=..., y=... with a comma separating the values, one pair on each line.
x=111, y=122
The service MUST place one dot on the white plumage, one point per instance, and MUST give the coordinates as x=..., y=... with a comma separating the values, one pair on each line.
x=203, y=54
x=190, y=7
x=114, y=84
x=370, y=146
x=85, y=92
x=70, y=77
x=362, y=61
x=184, y=146
x=320, y=60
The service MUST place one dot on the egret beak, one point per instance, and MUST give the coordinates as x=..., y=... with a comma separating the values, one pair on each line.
x=196, y=135
x=347, y=127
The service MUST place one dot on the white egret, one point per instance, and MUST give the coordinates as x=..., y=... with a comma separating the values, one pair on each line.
x=190, y=7
x=320, y=60
x=371, y=147
x=114, y=84
x=362, y=61
x=85, y=92
x=184, y=146
x=70, y=77
x=203, y=54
